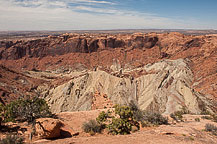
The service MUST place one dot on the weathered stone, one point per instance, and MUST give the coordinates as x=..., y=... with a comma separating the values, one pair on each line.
x=165, y=87
x=48, y=128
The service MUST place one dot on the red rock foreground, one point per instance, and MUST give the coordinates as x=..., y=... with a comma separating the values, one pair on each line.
x=188, y=132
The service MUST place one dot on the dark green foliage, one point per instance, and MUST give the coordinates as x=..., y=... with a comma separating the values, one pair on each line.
x=92, y=127
x=31, y=109
x=10, y=111
x=178, y=115
x=147, y=118
x=138, y=115
x=211, y=128
x=197, y=119
x=103, y=116
x=206, y=117
x=25, y=110
x=124, y=112
x=212, y=117
x=123, y=121
x=205, y=112
x=12, y=139
x=120, y=126
x=155, y=118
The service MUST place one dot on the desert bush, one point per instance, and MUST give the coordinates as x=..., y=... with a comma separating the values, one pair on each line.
x=206, y=117
x=12, y=139
x=155, y=118
x=126, y=117
x=178, y=115
x=120, y=126
x=138, y=114
x=31, y=109
x=9, y=111
x=211, y=128
x=25, y=110
x=205, y=112
x=147, y=118
x=197, y=119
x=146, y=124
x=120, y=122
x=92, y=127
x=212, y=117
x=123, y=121
x=103, y=116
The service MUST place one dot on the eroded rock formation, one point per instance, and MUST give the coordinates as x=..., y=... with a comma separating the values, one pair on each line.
x=163, y=72
x=165, y=87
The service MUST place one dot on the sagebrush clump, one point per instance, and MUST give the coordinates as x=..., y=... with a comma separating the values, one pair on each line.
x=147, y=118
x=92, y=127
x=12, y=139
x=123, y=118
x=211, y=128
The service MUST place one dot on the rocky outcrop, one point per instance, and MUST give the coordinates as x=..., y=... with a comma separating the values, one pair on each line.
x=48, y=128
x=165, y=87
x=14, y=84
x=64, y=44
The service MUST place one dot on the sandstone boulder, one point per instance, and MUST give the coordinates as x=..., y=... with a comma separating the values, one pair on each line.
x=48, y=128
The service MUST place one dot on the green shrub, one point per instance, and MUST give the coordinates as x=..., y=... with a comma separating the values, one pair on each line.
x=155, y=118
x=92, y=127
x=126, y=117
x=12, y=139
x=124, y=112
x=147, y=118
x=120, y=123
x=197, y=119
x=120, y=126
x=138, y=114
x=31, y=109
x=25, y=110
x=211, y=128
x=214, y=117
x=206, y=117
x=103, y=116
x=146, y=124
x=178, y=115
x=123, y=121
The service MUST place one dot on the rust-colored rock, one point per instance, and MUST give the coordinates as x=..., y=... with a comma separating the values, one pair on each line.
x=48, y=128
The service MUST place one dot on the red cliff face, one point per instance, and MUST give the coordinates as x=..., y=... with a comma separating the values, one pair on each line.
x=95, y=50
x=70, y=44
x=14, y=84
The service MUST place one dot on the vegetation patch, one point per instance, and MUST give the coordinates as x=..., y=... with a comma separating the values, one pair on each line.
x=92, y=127
x=25, y=110
x=178, y=115
x=211, y=128
x=12, y=139
x=124, y=120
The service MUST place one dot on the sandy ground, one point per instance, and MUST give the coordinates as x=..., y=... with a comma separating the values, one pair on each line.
x=186, y=132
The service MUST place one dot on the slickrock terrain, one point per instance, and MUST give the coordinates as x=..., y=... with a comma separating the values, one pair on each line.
x=86, y=72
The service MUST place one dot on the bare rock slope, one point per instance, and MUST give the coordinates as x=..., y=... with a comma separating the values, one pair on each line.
x=165, y=86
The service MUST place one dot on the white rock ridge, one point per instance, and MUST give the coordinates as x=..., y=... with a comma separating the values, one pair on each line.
x=165, y=87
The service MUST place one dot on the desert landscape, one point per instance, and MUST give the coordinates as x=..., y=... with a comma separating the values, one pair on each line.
x=108, y=72
x=80, y=75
